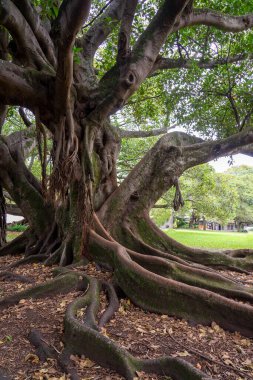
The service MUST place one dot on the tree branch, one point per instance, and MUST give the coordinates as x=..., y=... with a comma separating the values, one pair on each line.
x=121, y=81
x=138, y=134
x=40, y=32
x=24, y=117
x=204, y=152
x=167, y=63
x=100, y=30
x=125, y=31
x=72, y=15
x=24, y=87
x=26, y=49
x=216, y=19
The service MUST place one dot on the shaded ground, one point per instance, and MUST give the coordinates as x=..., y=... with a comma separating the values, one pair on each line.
x=212, y=239
x=223, y=355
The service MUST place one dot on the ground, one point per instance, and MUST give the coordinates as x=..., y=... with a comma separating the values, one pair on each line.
x=212, y=239
x=223, y=355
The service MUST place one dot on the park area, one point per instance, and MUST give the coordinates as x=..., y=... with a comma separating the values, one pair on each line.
x=212, y=239
x=126, y=190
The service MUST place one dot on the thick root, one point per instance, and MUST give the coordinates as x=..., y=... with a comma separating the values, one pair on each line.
x=61, y=284
x=175, y=298
x=45, y=351
x=17, y=246
x=82, y=339
x=148, y=237
x=112, y=307
x=5, y=275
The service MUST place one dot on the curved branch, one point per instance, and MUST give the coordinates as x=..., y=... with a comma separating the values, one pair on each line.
x=26, y=49
x=123, y=80
x=162, y=165
x=40, y=32
x=218, y=20
x=167, y=63
x=100, y=30
x=125, y=31
x=24, y=87
x=72, y=15
x=138, y=134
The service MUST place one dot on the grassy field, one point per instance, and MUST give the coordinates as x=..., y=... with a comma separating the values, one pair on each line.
x=212, y=239
x=12, y=235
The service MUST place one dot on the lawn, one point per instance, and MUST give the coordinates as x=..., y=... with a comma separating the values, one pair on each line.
x=212, y=239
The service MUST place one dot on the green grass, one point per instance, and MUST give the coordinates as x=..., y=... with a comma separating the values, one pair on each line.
x=212, y=239
x=12, y=235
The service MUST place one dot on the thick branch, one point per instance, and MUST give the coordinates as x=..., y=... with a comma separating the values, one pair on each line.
x=24, y=87
x=138, y=134
x=161, y=167
x=216, y=19
x=40, y=32
x=123, y=80
x=167, y=63
x=72, y=16
x=200, y=153
x=26, y=49
x=100, y=30
x=125, y=31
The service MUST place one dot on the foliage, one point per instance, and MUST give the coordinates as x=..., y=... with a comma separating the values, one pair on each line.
x=206, y=193
x=241, y=179
x=17, y=227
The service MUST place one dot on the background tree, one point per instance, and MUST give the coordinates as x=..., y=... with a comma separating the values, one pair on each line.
x=207, y=195
x=241, y=179
x=75, y=65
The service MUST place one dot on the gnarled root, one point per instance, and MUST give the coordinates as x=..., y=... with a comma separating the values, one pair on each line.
x=175, y=298
x=83, y=338
x=150, y=240
x=17, y=246
x=6, y=275
x=45, y=351
x=61, y=284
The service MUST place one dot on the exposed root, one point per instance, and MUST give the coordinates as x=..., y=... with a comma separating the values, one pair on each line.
x=17, y=246
x=5, y=275
x=194, y=276
x=61, y=284
x=45, y=351
x=82, y=339
x=175, y=298
x=144, y=236
x=113, y=304
x=27, y=260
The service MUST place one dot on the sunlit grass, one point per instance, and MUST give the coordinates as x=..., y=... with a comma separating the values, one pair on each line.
x=12, y=235
x=212, y=239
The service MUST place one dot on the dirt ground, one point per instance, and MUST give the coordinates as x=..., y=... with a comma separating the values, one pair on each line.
x=222, y=355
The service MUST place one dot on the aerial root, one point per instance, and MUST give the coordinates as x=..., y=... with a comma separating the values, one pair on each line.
x=83, y=338
x=6, y=275
x=44, y=351
x=59, y=285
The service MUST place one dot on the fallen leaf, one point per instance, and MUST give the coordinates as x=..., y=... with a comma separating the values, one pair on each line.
x=32, y=358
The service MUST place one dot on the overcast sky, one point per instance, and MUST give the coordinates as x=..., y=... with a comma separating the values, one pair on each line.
x=221, y=164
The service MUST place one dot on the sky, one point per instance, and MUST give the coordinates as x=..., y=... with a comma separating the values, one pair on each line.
x=222, y=165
